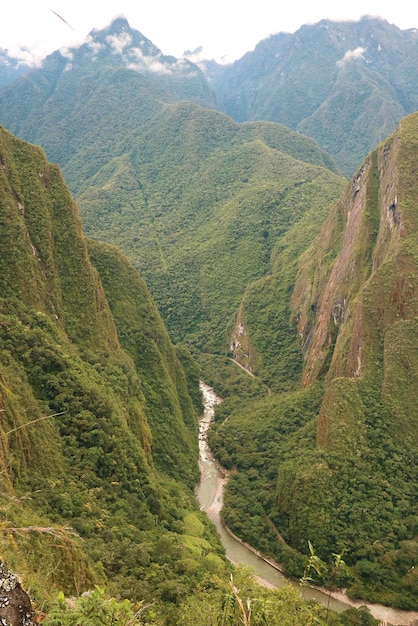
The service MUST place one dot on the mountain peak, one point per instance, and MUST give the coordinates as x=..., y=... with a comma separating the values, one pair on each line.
x=119, y=37
x=120, y=24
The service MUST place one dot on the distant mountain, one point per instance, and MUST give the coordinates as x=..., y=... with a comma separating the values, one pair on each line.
x=345, y=84
x=116, y=49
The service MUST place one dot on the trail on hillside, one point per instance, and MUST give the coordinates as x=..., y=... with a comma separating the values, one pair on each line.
x=250, y=373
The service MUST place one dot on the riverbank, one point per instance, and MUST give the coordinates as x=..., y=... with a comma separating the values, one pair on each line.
x=386, y=615
x=210, y=494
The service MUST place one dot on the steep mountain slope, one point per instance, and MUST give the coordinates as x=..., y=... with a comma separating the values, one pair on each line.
x=346, y=84
x=360, y=313
x=143, y=336
x=97, y=422
x=98, y=430
x=340, y=451
x=199, y=209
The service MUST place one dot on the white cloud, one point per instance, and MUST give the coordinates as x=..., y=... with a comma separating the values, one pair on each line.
x=93, y=44
x=199, y=57
x=196, y=56
x=352, y=55
x=67, y=53
x=139, y=62
x=119, y=42
x=31, y=58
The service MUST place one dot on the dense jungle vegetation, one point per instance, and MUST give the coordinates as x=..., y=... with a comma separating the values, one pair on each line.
x=296, y=303
x=93, y=438
x=341, y=449
x=99, y=433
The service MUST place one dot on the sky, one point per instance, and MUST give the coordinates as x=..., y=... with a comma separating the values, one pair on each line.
x=225, y=29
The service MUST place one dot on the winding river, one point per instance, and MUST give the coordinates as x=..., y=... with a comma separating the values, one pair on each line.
x=209, y=493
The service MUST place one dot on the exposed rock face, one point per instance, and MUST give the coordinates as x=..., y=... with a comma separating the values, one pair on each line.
x=356, y=298
x=15, y=606
x=240, y=346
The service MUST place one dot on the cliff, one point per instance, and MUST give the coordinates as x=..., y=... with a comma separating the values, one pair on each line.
x=98, y=430
x=355, y=307
x=356, y=294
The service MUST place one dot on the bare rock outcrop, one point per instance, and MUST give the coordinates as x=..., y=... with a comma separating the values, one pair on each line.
x=15, y=606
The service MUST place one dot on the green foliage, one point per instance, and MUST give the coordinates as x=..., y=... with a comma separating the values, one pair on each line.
x=97, y=422
x=327, y=495
x=243, y=601
x=93, y=609
x=253, y=439
x=208, y=227
x=358, y=617
x=47, y=556
x=169, y=410
x=355, y=116
x=86, y=466
x=317, y=570
x=346, y=465
x=215, y=602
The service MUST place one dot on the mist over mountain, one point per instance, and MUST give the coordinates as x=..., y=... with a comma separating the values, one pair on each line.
x=345, y=84
x=116, y=47
x=11, y=68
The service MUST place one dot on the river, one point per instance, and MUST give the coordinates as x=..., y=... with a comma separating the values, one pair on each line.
x=209, y=493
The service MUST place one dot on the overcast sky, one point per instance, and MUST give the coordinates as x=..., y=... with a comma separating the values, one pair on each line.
x=224, y=28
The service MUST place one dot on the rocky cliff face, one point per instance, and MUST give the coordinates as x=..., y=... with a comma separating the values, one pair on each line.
x=355, y=306
x=355, y=301
x=15, y=606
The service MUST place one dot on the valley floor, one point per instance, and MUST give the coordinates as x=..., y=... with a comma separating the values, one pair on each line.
x=388, y=616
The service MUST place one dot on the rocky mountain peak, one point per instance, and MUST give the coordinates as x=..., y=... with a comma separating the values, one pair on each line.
x=120, y=37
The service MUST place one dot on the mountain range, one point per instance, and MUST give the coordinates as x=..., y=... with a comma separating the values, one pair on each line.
x=175, y=185
x=99, y=431
x=345, y=84
x=288, y=288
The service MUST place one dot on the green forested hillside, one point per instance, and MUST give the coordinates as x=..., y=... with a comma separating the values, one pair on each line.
x=232, y=228
x=196, y=201
x=98, y=429
x=334, y=462
x=170, y=412
x=200, y=210
x=99, y=433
